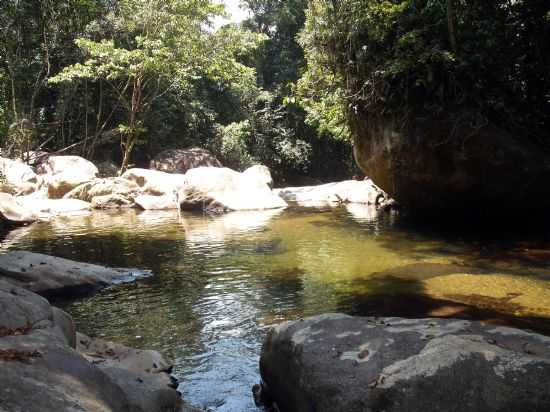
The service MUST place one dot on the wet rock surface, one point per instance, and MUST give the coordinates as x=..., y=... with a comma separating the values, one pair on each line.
x=336, y=362
x=52, y=276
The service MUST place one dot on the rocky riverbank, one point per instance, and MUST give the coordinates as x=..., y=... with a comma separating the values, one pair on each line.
x=61, y=185
x=336, y=362
x=46, y=365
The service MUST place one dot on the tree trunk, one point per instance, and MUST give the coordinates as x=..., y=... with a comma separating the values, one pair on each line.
x=451, y=24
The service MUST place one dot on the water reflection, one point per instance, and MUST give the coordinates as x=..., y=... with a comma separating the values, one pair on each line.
x=219, y=281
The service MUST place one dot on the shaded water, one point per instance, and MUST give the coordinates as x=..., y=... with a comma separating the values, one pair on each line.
x=219, y=282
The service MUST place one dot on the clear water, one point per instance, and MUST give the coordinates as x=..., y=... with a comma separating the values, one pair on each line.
x=220, y=282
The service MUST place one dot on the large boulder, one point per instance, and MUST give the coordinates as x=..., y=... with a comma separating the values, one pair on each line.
x=41, y=371
x=342, y=363
x=46, y=208
x=103, y=187
x=51, y=276
x=153, y=182
x=114, y=201
x=11, y=212
x=181, y=160
x=349, y=191
x=19, y=178
x=64, y=173
x=149, y=202
x=260, y=173
x=68, y=164
x=434, y=168
x=223, y=189
x=144, y=375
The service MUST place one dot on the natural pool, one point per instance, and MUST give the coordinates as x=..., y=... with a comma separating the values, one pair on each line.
x=220, y=281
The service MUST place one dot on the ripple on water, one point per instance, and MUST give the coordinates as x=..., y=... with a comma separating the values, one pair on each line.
x=220, y=281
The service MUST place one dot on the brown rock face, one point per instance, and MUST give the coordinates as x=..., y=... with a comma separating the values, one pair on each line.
x=437, y=167
x=181, y=160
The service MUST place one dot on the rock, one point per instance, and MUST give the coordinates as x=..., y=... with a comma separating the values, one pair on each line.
x=181, y=160
x=148, y=202
x=52, y=276
x=348, y=191
x=144, y=375
x=62, y=183
x=35, y=158
x=260, y=173
x=115, y=186
x=64, y=173
x=336, y=362
x=437, y=168
x=154, y=182
x=107, y=169
x=68, y=164
x=52, y=207
x=214, y=189
x=41, y=372
x=12, y=212
x=113, y=201
x=19, y=177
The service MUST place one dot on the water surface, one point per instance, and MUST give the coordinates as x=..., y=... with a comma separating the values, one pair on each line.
x=219, y=282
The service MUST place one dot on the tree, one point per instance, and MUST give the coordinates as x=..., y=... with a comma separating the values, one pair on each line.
x=161, y=51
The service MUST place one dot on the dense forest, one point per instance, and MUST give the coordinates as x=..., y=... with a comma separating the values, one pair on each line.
x=121, y=80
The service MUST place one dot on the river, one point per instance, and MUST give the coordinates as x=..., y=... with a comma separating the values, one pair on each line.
x=220, y=282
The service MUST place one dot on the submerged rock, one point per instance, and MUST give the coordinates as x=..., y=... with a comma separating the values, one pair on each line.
x=223, y=189
x=349, y=191
x=41, y=372
x=336, y=362
x=181, y=160
x=49, y=275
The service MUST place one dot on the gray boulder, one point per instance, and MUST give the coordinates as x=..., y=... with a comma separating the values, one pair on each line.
x=102, y=187
x=144, y=375
x=153, y=182
x=165, y=202
x=11, y=212
x=331, y=194
x=41, y=372
x=223, y=189
x=49, y=275
x=181, y=160
x=64, y=173
x=19, y=177
x=342, y=363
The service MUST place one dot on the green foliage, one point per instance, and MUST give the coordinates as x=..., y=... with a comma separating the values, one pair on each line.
x=429, y=58
x=162, y=53
x=264, y=138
